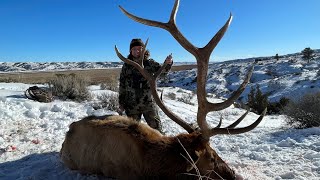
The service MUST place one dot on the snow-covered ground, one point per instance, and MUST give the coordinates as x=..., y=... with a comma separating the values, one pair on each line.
x=31, y=134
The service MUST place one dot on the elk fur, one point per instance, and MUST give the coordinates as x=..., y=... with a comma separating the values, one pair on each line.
x=122, y=148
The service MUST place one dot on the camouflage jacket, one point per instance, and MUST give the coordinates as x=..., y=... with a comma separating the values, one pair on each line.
x=134, y=89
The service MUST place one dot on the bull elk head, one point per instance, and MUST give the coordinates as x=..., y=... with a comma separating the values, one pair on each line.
x=119, y=147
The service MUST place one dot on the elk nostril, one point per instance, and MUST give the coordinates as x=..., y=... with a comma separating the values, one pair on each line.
x=239, y=177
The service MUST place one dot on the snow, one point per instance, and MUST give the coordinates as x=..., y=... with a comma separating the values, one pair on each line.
x=31, y=135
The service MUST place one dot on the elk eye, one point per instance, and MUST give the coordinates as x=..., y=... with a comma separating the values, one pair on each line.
x=212, y=160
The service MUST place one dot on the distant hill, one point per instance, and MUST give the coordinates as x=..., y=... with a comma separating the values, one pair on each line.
x=51, y=66
x=290, y=76
x=59, y=66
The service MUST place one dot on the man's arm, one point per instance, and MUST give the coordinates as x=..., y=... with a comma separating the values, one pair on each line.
x=156, y=66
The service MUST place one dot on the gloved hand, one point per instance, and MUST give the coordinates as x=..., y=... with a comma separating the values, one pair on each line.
x=169, y=59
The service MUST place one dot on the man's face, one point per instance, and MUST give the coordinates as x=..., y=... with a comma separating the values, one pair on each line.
x=136, y=50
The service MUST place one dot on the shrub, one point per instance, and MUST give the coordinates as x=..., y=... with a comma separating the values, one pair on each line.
x=111, y=83
x=172, y=96
x=109, y=101
x=277, y=107
x=256, y=100
x=277, y=57
x=307, y=54
x=180, y=91
x=8, y=80
x=304, y=112
x=72, y=86
x=186, y=98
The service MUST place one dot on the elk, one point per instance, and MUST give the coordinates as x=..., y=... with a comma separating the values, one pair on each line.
x=119, y=147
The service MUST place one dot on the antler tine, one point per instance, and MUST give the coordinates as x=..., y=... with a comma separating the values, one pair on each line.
x=234, y=96
x=144, y=21
x=174, y=12
x=170, y=26
x=233, y=125
x=216, y=131
x=153, y=86
x=218, y=36
x=142, y=53
x=220, y=122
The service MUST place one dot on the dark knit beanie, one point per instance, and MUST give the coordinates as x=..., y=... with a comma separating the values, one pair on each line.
x=136, y=42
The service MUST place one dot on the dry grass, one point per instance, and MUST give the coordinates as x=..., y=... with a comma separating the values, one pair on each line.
x=96, y=76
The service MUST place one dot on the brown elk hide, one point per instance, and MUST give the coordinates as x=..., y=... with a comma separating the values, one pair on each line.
x=122, y=148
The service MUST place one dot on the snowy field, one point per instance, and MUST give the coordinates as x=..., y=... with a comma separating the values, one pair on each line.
x=31, y=135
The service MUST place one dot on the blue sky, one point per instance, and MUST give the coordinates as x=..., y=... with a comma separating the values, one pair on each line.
x=88, y=30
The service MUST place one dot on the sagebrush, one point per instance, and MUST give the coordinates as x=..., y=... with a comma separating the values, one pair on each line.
x=109, y=101
x=72, y=86
x=186, y=98
x=172, y=96
x=304, y=112
x=111, y=82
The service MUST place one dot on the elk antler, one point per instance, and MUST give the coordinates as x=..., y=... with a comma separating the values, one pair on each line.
x=202, y=56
